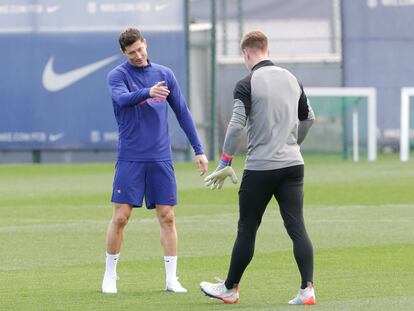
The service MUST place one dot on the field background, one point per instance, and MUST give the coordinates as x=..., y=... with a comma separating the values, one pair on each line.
x=53, y=219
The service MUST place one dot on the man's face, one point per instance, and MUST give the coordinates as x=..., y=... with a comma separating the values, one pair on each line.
x=137, y=53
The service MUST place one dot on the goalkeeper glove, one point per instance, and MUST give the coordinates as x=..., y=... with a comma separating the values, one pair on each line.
x=223, y=170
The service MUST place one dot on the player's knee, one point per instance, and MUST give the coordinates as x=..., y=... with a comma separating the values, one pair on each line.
x=120, y=220
x=296, y=230
x=167, y=218
x=247, y=230
x=121, y=214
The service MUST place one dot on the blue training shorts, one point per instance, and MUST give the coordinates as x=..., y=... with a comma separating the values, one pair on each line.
x=153, y=180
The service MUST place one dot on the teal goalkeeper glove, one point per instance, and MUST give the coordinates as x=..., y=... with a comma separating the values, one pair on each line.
x=223, y=170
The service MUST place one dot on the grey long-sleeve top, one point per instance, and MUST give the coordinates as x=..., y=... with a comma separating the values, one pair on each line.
x=272, y=104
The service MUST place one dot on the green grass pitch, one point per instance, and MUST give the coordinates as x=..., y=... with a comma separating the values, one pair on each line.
x=53, y=219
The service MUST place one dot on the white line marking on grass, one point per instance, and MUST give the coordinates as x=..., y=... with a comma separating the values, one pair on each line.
x=359, y=206
x=85, y=225
x=375, y=221
x=51, y=226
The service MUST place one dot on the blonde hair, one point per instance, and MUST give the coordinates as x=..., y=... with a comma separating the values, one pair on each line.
x=254, y=39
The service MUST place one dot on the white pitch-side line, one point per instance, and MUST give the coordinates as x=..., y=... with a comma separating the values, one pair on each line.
x=217, y=218
x=87, y=223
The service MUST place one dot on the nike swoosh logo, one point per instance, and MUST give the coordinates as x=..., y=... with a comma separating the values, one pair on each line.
x=56, y=137
x=160, y=7
x=52, y=8
x=54, y=82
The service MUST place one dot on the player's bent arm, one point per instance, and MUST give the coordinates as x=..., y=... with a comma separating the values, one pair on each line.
x=305, y=125
x=303, y=130
x=306, y=116
x=120, y=92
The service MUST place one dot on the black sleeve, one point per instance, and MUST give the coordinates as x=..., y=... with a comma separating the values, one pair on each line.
x=242, y=92
x=303, y=109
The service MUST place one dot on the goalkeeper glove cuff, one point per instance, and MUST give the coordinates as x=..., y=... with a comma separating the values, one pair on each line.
x=225, y=159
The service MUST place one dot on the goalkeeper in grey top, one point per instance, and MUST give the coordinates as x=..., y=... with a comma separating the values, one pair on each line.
x=273, y=106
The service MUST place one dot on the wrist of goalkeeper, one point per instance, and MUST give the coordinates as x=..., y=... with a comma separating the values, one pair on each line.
x=224, y=161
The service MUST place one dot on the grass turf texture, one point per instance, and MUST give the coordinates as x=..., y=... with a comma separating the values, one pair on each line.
x=53, y=219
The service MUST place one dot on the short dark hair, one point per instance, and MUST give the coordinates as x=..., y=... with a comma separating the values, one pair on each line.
x=129, y=37
x=254, y=39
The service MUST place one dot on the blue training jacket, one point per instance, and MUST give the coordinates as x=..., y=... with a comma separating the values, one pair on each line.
x=143, y=120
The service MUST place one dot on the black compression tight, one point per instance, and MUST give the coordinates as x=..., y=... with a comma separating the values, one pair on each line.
x=256, y=190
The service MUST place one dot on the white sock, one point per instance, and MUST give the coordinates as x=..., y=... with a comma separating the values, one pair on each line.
x=170, y=268
x=111, y=261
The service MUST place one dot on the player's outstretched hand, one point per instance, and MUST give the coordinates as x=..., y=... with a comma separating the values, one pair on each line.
x=159, y=90
x=216, y=179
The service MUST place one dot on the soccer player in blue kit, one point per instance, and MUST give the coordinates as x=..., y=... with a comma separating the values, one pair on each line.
x=141, y=91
